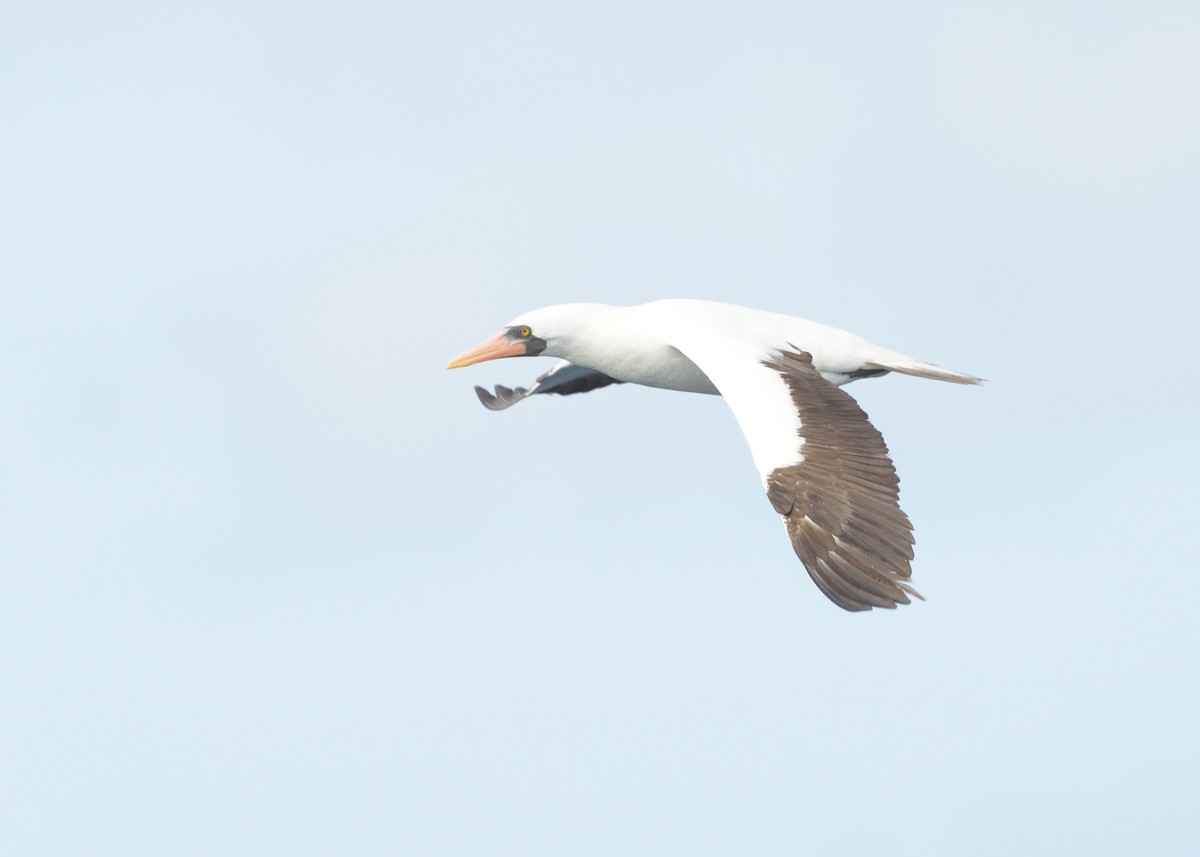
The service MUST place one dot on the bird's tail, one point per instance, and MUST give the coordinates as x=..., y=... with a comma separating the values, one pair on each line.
x=908, y=366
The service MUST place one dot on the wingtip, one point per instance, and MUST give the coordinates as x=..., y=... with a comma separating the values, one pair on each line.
x=486, y=399
x=504, y=397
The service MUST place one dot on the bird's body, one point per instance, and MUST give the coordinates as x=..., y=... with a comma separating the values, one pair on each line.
x=628, y=344
x=825, y=468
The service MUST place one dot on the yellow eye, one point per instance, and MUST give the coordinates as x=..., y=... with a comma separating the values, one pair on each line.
x=525, y=331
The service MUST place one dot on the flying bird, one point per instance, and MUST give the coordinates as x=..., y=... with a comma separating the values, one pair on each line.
x=825, y=468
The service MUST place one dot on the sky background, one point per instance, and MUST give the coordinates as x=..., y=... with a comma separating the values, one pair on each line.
x=273, y=582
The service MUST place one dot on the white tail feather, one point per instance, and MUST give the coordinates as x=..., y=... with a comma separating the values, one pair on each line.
x=925, y=370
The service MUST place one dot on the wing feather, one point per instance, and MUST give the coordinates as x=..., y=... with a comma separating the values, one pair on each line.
x=825, y=467
x=564, y=378
x=842, y=498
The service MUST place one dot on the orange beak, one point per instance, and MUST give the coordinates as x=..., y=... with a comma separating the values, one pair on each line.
x=498, y=346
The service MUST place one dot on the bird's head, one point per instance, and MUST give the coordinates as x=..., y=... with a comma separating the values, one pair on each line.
x=555, y=331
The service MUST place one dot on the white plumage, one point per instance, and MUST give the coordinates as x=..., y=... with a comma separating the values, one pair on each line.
x=825, y=467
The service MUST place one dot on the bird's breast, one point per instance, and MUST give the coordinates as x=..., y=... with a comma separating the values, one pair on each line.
x=661, y=366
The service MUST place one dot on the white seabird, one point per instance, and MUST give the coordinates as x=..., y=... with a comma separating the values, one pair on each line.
x=825, y=468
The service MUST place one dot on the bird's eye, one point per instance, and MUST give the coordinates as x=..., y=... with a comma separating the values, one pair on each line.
x=524, y=331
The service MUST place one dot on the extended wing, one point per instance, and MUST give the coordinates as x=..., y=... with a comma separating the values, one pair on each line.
x=825, y=467
x=563, y=378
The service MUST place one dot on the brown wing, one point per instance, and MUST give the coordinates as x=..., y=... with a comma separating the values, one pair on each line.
x=841, y=502
x=564, y=378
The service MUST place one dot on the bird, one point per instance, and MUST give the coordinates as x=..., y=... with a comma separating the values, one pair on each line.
x=825, y=468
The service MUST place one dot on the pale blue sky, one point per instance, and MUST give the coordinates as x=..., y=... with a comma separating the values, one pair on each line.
x=275, y=583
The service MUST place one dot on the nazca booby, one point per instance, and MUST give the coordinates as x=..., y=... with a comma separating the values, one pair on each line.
x=825, y=468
